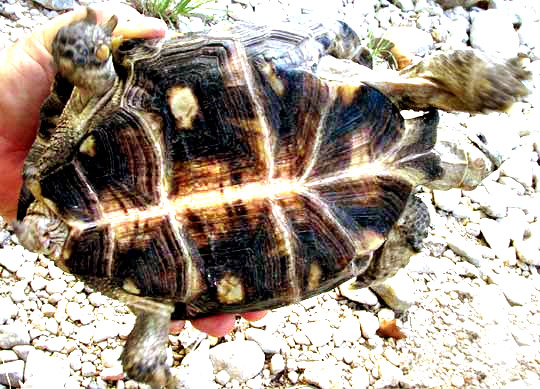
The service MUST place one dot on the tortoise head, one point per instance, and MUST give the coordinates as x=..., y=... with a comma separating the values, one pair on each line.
x=82, y=53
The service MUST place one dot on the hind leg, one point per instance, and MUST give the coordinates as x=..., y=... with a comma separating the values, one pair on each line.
x=464, y=80
x=403, y=241
x=467, y=80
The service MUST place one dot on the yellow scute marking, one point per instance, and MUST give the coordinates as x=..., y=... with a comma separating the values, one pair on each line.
x=230, y=289
x=314, y=276
x=88, y=147
x=130, y=287
x=347, y=93
x=184, y=105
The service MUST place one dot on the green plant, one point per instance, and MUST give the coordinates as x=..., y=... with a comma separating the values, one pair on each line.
x=170, y=10
x=381, y=50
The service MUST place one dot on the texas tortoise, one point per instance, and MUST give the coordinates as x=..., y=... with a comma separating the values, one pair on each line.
x=240, y=170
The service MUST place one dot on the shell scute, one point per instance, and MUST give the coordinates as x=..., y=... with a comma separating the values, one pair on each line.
x=227, y=175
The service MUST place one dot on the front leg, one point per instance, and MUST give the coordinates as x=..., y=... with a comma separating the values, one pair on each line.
x=144, y=357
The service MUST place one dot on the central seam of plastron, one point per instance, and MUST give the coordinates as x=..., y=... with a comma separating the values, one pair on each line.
x=271, y=189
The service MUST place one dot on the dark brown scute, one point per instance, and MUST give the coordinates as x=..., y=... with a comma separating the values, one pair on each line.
x=66, y=188
x=125, y=170
x=91, y=249
x=295, y=116
x=369, y=203
x=150, y=255
x=368, y=125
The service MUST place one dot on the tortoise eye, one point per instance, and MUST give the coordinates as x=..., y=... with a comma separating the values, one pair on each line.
x=103, y=52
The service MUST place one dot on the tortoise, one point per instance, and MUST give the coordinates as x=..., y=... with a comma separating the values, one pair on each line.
x=240, y=170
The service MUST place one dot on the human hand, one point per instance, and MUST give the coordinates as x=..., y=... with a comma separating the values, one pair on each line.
x=26, y=75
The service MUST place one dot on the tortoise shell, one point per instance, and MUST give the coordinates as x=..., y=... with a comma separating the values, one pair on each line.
x=223, y=173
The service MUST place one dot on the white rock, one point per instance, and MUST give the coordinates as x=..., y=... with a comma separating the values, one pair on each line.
x=85, y=334
x=397, y=291
x=405, y=5
x=351, y=291
x=365, y=7
x=51, y=325
x=241, y=359
x=360, y=378
x=41, y=368
x=447, y=200
x=38, y=283
x=348, y=331
x=493, y=32
x=325, y=375
x=11, y=373
x=392, y=356
x=269, y=343
x=466, y=249
x=56, y=343
x=495, y=235
x=527, y=251
x=73, y=310
x=56, y=286
x=318, y=332
x=519, y=168
x=390, y=374
x=222, y=377
x=409, y=42
x=529, y=34
x=8, y=356
x=12, y=335
x=196, y=370
x=491, y=304
x=18, y=293
x=74, y=359
x=301, y=338
x=111, y=357
x=97, y=299
x=23, y=350
x=88, y=369
x=8, y=310
x=523, y=337
x=277, y=364
x=48, y=310
x=428, y=264
x=518, y=291
x=11, y=258
x=105, y=329
x=369, y=324
x=26, y=271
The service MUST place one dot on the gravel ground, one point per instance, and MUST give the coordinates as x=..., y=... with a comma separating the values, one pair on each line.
x=469, y=303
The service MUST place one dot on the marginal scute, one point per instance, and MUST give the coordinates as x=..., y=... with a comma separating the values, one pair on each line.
x=184, y=106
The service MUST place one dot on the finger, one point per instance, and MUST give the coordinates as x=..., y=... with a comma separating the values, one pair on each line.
x=218, y=325
x=176, y=326
x=254, y=316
